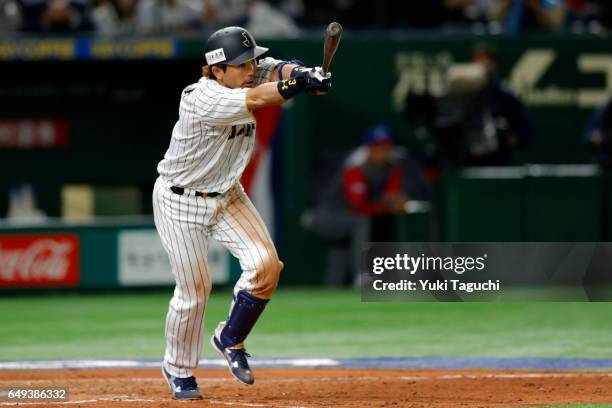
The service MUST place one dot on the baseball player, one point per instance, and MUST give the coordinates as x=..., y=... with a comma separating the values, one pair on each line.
x=198, y=196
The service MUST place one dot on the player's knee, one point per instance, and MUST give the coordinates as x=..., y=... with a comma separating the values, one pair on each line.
x=277, y=271
x=202, y=290
x=270, y=277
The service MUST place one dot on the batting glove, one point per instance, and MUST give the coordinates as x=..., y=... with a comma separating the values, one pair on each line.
x=315, y=82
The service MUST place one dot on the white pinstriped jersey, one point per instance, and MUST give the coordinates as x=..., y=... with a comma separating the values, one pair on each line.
x=214, y=137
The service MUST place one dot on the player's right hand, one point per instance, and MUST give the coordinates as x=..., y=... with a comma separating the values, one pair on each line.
x=315, y=82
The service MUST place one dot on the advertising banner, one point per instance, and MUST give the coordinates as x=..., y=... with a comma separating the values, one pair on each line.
x=39, y=260
x=144, y=262
x=34, y=133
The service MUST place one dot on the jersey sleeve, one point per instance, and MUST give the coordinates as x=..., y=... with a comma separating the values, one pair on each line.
x=222, y=106
x=264, y=69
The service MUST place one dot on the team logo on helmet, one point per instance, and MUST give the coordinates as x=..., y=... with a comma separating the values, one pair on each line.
x=246, y=42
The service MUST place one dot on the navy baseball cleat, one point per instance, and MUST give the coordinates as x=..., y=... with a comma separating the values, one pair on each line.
x=182, y=388
x=236, y=360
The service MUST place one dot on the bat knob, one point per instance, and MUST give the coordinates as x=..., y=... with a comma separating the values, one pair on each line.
x=333, y=29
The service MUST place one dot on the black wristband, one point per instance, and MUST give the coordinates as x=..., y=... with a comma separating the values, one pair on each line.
x=290, y=87
x=282, y=65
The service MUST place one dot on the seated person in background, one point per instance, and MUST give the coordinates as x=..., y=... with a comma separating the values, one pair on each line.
x=57, y=16
x=598, y=131
x=530, y=15
x=168, y=16
x=373, y=185
x=361, y=202
x=114, y=17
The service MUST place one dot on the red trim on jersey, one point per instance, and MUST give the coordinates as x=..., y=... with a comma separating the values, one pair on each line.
x=356, y=191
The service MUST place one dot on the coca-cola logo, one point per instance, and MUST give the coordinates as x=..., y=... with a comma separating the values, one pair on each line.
x=39, y=260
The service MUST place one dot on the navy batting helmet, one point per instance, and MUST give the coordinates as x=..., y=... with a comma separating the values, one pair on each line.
x=232, y=45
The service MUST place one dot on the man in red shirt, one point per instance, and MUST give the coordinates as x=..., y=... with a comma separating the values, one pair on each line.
x=374, y=186
x=363, y=201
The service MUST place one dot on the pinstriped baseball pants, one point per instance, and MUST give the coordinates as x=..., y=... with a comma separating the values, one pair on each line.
x=185, y=223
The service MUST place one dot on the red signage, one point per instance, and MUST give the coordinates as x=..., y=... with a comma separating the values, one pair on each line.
x=46, y=260
x=33, y=133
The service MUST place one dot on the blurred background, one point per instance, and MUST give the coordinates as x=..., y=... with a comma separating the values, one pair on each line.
x=448, y=120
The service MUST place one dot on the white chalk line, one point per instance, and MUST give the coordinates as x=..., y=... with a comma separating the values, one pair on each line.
x=119, y=398
x=332, y=379
x=519, y=376
x=64, y=364
x=125, y=398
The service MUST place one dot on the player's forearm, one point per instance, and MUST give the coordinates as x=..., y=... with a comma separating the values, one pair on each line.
x=264, y=95
x=267, y=94
x=309, y=80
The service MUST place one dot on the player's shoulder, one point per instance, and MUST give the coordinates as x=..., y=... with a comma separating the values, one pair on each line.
x=268, y=61
x=205, y=83
x=189, y=89
x=211, y=87
x=202, y=92
x=207, y=96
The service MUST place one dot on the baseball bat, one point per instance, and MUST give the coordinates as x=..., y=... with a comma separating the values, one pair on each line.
x=332, y=39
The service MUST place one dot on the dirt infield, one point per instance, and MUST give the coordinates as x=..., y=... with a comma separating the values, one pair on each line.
x=321, y=387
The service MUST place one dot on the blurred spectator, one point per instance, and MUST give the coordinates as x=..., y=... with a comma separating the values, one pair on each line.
x=161, y=16
x=282, y=18
x=267, y=21
x=589, y=15
x=58, y=16
x=112, y=17
x=377, y=14
x=373, y=184
x=10, y=15
x=429, y=14
x=293, y=8
x=599, y=132
x=476, y=13
x=603, y=13
x=377, y=183
x=580, y=13
x=501, y=123
x=220, y=13
x=530, y=15
x=514, y=15
x=22, y=206
x=263, y=18
x=476, y=121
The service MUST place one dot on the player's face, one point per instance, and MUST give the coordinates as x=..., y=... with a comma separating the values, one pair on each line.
x=239, y=76
x=379, y=153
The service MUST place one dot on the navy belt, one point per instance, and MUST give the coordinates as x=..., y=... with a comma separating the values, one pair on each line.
x=181, y=191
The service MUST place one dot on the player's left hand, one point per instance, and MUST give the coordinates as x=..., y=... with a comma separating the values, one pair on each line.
x=316, y=83
x=324, y=79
